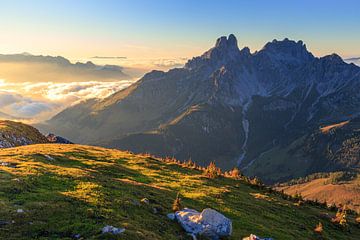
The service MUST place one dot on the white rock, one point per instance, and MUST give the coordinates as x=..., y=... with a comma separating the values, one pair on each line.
x=19, y=210
x=209, y=223
x=171, y=216
x=48, y=157
x=145, y=200
x=112, y=230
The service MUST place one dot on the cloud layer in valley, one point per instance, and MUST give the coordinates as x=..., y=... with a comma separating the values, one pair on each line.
x=35, y=88
x=39, y=101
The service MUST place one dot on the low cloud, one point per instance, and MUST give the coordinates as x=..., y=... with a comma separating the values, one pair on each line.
x=40, y=101
x=9, y=98
x=355, y=60
x=22, y=107
x=170, y=63
x=108, y=57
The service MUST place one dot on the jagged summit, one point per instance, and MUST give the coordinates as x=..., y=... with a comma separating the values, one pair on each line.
x=224, y=42
x=224, y=47
x=333, y=58
x=287, y=50
x=225, y=50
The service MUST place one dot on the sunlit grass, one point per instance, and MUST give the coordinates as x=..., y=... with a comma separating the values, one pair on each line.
x=72, y=189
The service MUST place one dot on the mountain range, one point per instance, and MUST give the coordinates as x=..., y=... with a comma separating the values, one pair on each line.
x=231, y=106
x=48, y=65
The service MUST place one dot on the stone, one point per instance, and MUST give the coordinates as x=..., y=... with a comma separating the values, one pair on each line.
x=3, y=223
x=135, y=202
x=155, y=210
x=20, y=210
x=48, y=157
x=254, y=237
x=145, y=201
x=209, y=223
x=171, y=216
x=77, y=236
x=188, y=219
x=215, y=223
x=112, y=230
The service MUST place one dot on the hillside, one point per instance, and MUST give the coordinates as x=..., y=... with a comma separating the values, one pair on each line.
x=331, y=147
x=13, y=134
x=59, y=191
x=334, y=188
x=228, y=105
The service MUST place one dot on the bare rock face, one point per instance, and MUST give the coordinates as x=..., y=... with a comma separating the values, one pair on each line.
x=112, y=230
x=209, y=223
x=14, y=134
x=57, y=139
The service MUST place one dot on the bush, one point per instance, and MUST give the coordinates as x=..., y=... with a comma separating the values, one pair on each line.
x=332, y=207
x=341, y=218
x=234, y=173
x=357, y=220
x=212, y=171
x=177, y=203
x=190, y=164
x=319, y=228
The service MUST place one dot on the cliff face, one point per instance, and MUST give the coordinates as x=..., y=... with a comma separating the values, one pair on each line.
x=13, y=134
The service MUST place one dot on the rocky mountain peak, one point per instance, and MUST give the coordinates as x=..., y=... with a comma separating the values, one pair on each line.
x=227, y=42
x=333, y=58
x=288, y=50
x=225, y=50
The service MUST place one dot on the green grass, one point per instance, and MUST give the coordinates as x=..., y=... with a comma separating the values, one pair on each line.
x=280, y=163
x=85, y=188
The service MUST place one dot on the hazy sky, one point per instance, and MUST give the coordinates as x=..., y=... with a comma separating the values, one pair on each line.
x=169, y=28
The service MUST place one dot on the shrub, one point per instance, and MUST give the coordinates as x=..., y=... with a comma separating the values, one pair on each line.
x=212, y=171
x=357, y=220
x=256, y=182
x=341, y=217
x=177, y=203
x=297, y=197
x=234, y=173
x=332, y=207
x=190, y=164
x=319, y=228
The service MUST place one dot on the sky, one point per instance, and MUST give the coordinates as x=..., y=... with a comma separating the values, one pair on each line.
x=142, y=35
x=166, y=29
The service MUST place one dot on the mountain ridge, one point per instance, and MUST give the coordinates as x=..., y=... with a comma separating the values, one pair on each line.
x=113, y=71
x=14, y=134
x=236, y=104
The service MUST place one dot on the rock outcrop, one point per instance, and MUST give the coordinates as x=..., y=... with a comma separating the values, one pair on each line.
x=209, y=223
x=13, y=134
x=52, y=138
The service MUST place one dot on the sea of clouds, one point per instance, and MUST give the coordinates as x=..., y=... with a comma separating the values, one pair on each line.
x=39, y=101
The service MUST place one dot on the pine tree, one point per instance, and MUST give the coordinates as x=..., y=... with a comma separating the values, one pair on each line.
x=212, y=171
